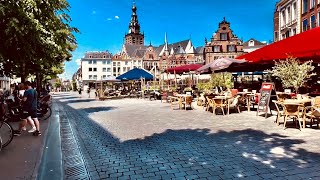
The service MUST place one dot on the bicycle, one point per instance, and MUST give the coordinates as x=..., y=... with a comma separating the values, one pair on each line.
x=44, y=110
x=6, y=130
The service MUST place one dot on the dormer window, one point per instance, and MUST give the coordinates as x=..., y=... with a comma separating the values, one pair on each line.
x=251, y=43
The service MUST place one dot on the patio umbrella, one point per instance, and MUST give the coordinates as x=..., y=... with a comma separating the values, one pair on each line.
x=184, y=68
x=135, y=74
x=219, y=64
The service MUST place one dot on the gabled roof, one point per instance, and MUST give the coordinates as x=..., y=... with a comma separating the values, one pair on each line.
x=139, y=53
x=200, y=50
x=256, y=42
x=175, y=46
x=130, y=49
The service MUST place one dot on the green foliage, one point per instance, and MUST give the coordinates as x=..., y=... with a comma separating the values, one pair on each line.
x=221, y=80
x=35, y=35
x=292, y=73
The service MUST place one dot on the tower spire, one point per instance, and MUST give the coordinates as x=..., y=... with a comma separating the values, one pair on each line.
x=166, y=50
x=134, y=35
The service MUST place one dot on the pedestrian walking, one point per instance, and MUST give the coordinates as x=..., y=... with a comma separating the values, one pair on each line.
x=88, y=91
x=29, y=111
x=79, y=91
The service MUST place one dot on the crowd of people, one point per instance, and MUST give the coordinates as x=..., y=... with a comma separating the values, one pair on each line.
x=25, y=96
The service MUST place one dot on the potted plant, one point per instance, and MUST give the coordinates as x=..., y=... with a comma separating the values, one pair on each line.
x=292, y=72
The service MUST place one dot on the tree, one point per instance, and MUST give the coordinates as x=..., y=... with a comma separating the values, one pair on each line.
x=34, y=34
x=292, y=73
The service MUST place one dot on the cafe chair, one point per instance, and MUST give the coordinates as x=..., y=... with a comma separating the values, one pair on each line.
x=295, y=111
x=234, y=103
x=187, y=101
x=313, y=114
x=174, y=101
x=218, y=104
x=280, y=112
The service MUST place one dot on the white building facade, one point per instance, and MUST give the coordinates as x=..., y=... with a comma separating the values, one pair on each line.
x=289, y=13
x=95, y=66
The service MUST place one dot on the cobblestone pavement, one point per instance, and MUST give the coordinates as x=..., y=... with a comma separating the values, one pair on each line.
x=142, y=139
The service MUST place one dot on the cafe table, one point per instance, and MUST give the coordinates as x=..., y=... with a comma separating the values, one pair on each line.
x=305, y=102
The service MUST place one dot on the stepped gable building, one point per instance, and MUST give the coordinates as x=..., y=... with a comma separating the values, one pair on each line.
x=223, y=44
x=252, y=45
x=179, y=53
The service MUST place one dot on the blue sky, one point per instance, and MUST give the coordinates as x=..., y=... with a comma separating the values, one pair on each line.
x=103, y=23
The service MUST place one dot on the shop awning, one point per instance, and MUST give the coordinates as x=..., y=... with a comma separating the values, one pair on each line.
x=184, y=68
x=304, y=46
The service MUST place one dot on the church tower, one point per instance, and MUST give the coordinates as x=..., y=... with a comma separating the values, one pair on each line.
x=134, y=37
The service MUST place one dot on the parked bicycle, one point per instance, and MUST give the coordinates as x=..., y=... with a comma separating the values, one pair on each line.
x=44, y=109
x=6, y=130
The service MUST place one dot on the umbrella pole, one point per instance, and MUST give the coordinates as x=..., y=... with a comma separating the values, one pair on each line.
x=175, y=79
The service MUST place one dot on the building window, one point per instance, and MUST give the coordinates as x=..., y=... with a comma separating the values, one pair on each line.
x=114, y=63
x=90, y=61
x=94, y=62
x=313, y=21
x=150, y=56
x=109, y=62
x=126, y=63
x=231, y=48
x=118, y=63
x=287, y=34
x=223, y=36
x=104, y=76
x=304, y=6
x=294, y=31
x=283, y=18
x=90, y=76
x=312, y=3
x=104, y=69
x=305, y=25
x=94, y=69
x=90, y=69
x=217, y=48
x=94, y=76
x=114, y=70
x=118, y=70
x=124, y=69
x=104, y=62
x=128, y=68
x=108, y=69
x=289, y=15
x=294, y=11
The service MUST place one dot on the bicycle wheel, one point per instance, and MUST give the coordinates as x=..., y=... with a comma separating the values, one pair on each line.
x=0, y=143
x=6, y=133
x=47, y=114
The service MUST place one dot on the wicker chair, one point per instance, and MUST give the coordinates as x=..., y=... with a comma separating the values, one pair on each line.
x=187, y=101
x=234, y=103
x=296, y=111
x=280, y=113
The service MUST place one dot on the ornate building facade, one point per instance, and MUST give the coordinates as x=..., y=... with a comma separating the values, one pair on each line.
x=223, y=44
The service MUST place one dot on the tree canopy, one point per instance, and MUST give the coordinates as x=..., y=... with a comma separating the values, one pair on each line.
x=35, y=36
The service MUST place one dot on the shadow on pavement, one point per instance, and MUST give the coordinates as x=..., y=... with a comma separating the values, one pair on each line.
x=98, y=109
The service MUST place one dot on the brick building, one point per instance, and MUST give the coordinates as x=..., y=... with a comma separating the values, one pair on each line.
x=223, y=44
x=310, y=14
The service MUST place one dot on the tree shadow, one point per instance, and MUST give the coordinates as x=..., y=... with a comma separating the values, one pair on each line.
x=97, y=109
x=78, y=100
x=195, y=153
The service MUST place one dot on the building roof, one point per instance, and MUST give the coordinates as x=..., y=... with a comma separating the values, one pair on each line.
x=200, y=50
x=256, y=42
x=131, y=49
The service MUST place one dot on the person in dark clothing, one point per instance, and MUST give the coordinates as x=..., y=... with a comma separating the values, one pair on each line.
x=29, y=111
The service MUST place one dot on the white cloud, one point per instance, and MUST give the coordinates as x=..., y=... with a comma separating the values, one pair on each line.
x=94, y=12
x=116, y=17
x=78, y=61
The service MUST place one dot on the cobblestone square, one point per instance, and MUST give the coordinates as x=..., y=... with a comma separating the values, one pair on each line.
x=142, y=139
